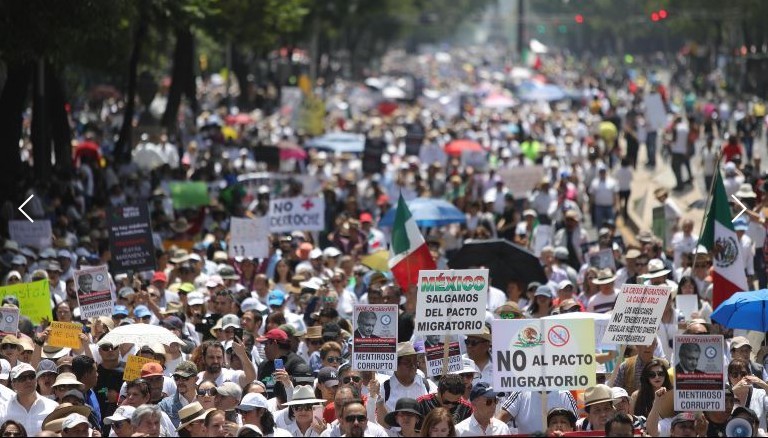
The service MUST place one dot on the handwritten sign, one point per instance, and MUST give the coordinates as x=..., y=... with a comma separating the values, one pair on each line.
x=249, y=237
x=133, y=367
x=34, y=299
x=65, y=334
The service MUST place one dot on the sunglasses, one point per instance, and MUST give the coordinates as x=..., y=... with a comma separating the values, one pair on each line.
x=108, y=347
x=508, y=315
x=451, y=402
x=118, y=424
x=316, y=342
x=355, y=418
x=474, y=342
x=12, y=433
x=25, y=377
x=210, y=392
x=654, y=374
x=178, y=377
x=348, y=379
x=304, y=408
x=333, y=359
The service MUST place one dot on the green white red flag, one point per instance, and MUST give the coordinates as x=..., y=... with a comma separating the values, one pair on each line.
x=410, y=251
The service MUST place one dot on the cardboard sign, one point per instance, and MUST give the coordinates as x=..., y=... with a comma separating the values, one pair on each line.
x=189, y=194
x=699, y=373
x=249, y=237
x=521, y=180
x=133, y=367
x=374, y=149
x=637, y=314
x=451, y=301
x=296, y=214
x=95, y=293
x=374, y=345
x=436, y=356
x=130, y=239
x=603, y=259
x=687, y=304
x=543, y=355
x=65, y=334
x=34, y=299
x=9, y=320
x=655, y=112
x=36, y=234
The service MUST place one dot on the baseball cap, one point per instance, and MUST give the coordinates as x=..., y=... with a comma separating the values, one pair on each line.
x=249, y=303
x=619, y=392
x=125, y=292
x=481, y=389
x=20, y=369
x=230, y=320
x=544, y=291
x=331, y=252
x=274, y=335
x=365, y=217
x=564, y=283
x=276, y=298
x=141, y=311
x=151, y=369
x=195, y=298
x=160, y=276
x=230, y=389
x=328, y=376
x=331, y=330
x=46, y=366
x=684, y=417
x=19, y=260
x=123, y=412
x=738, y=342
x=186, y=287
x=120, y=310
x=172, y=322
x=252, y=401
x=315, y=253
x=73, y=420
x=185, y=369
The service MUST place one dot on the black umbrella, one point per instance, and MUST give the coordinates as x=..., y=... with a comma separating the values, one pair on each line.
x=504, y=260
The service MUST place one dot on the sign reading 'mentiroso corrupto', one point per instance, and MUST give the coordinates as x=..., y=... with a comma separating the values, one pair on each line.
x=451, y=301
x=543, y=354
x=296, y=214
x=636, y=315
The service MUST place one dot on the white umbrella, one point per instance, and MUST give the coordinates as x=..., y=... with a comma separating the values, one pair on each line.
x=140, y=334
x=393, y=92
x=148, y=158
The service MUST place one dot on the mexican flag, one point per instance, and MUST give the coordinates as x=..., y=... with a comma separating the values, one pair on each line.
x=411, y=253
x=729, y=275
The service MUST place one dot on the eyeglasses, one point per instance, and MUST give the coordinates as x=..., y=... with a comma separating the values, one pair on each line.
x=474, y=342
x=302, y=408
x=107, y=347
x=178, y=377
x=12, y=434
x=118, y=424
x=508, y=315
x=333, y=359
x=316, y=342
x=348, y=379
x=25, y=377
x=355, y=418
x=654, y=374
x=210, y=392
x=451, y=402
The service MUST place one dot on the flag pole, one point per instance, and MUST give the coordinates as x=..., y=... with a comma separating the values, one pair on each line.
x=708, y=210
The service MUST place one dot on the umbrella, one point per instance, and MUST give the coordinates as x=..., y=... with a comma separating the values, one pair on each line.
x=456, y=147
x=140, y=334
x=428, y=212
x=238, y=119
x=392, y=92
x=339, y=142
x=378, y=261
x=505, y=261
x=148, y=158
x=744, y=310
x=88, y=148
x=498, y=101
x=535, y=92
x=290, y=150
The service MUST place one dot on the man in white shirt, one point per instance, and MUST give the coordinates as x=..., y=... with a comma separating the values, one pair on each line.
x=404, y=382
x=482, y=421
x=683, y=242
x=679, y=150
x=604, y=196
x=605, y=299
x=27, y=407
x=523, y=409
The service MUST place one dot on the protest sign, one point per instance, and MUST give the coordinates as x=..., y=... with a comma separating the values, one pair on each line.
x=65, y=334
x=687, y=305
x=133, y=367
x=249, y=237
x=130, y=239
x=290, y=101
x=436, y=358
x=521, y=180
x=699, y=373
x=655, y=112
x=451, y=301
x=189, y=194
x=603, y=259
x=375, y=339
x=95, y=293
x=9, y=320
x=543, y=355
x=36, y=234
x=636, y=315
x=296, y=214
x=34, y=299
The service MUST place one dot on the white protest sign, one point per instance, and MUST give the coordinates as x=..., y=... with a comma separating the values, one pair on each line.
x=436, y=355
x=249, y=237
x=699, y=373
x=543, y=355
x=296, y=214
x=374, y=345
x=520, y=180
x=9, y=320
x=36, y=234
x=687, y=304
x=636, y=315
x=95, y=292
x=451, y=301
x=655, y=112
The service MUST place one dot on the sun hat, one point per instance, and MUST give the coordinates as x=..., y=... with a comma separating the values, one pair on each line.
x=597, y=394
x=191, y=413
x=405, y=349
x=54, y=421
x=656, y=268
x=604, y=276
x=406, y=405
x=303, y=395
x=67, y=379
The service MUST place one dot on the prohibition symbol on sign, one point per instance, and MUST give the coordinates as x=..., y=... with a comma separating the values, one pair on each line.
x=558, y=336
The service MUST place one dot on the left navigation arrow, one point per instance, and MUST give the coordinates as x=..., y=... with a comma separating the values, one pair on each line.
x=24, y=212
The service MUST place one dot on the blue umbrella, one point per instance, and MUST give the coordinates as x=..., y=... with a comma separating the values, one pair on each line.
x=339, y=142
x=428, y=212
x=744, y=310
x=533, y=92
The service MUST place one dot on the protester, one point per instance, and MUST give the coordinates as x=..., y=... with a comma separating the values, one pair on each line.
x=439, y=423
x=482, y=421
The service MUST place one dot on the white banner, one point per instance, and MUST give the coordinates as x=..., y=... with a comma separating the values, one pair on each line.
x=95, y=293
x=699, y=373
x=637, y=314
x=375, y=339
x=451, y=302
x=36, y=234
x=249, y=237
x=543, y=355
x=296, y=214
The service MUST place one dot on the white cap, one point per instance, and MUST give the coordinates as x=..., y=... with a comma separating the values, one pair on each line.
x=618, y=392
x=194, y=298
x=315, y=253
x=314, y=283
x=73, y=420
x=123, y=412
x=331, y=251
x=5, y=369
x=469, y=366
x=253, y=400
x=249, y=304
x=20, y=369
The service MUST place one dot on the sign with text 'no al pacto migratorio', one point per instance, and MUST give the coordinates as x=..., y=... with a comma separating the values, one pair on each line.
x=451, y=301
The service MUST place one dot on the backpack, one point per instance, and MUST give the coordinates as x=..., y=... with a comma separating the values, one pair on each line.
x=388, y=387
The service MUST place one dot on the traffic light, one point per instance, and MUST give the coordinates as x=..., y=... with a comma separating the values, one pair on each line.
x=659, y=15
x=578, y=18
x=662, y=14
x=654, y=16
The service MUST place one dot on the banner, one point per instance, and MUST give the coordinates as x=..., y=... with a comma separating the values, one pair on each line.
x=36, y=234
x=130, y=239
x=34, y=299
x=543, y=355
x=296, y=214
x=249, y=237
x=374, y=345
x=189, y=194
x=436, y=355
x=133, y=367
x=65, y=334
x=451, y=302
x=95, y=293
x=699, y=373
x=9, y=320
x=637, y=314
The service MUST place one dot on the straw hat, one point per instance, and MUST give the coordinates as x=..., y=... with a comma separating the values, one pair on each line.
x=656, y=268
x=405, y=349
x=55, y=420
x=67, y=379
x=303, y=395
x=604, y=276
x=190, y=413
x=314, y=332
x=746, y=191
x=597, y=394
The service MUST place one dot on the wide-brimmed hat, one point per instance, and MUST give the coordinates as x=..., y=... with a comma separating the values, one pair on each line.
x=405, y=349
x=597, y=394
x=604, y=276
x=192, y=412
x=67, y=379
x=656, y=268
x=746, y=191
x=314, y=332
x=303, y=395
x=180, y=225
x=50, y=352
x=404, y=404
x=12, y=340
x=485, y=335
x=55, y=420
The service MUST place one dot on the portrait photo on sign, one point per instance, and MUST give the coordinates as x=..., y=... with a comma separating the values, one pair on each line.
x=374, y=324
x=693, y=356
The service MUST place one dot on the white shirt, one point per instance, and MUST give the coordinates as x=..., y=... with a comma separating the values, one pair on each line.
x=623, y=177
x=293, y=429
x=470, y=427
x=680, y=146
x=496, y=299
x=226, y=375
x=525, y=408
x=682, y=244
x=32, y=420
x=397, y=391
x=372, y=430
x=601, y=303
x=603, y=191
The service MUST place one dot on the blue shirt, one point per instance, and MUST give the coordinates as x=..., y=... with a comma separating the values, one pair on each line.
x=93, y=402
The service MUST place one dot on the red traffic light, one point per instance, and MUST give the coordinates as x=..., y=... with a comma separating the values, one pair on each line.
x=654, y=16
x=662, y=14
x=579, y=18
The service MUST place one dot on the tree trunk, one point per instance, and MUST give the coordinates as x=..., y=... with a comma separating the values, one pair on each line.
x=12, y=99
x=40, y=130
x=125, y=141
x=240, y=69
x=59, y=122
x=182, y=79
